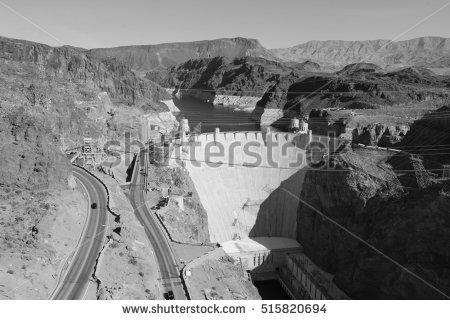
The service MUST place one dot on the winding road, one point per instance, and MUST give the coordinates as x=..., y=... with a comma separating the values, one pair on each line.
x=79, y=267
x=169, y=275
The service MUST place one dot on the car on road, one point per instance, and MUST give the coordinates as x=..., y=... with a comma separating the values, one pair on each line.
x=169, y=295
x=94, y=206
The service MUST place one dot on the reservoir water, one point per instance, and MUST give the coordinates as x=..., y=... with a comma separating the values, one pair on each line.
x=211, y=116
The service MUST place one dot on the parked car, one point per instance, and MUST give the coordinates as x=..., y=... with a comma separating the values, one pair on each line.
x=169, y=295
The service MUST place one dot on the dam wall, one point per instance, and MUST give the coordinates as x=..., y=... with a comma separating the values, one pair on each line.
x=242, y=178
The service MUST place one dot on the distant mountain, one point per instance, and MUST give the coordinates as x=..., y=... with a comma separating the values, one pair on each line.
x=333, y=55
x=149, y=57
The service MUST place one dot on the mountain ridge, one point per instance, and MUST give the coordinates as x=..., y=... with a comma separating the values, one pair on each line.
x=150, y=57
x=422, y=51
x=332, y=55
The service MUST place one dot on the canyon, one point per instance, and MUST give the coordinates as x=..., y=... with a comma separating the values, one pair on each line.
x=378, y=182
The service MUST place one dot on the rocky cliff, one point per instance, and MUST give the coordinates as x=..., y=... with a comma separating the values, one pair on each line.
x=356, y=87
x=79, y=66
x=430, y=137
x=29, y=156
x=150, y=57
x=239, y=81
x=379, y=134
x=335, y=54
x=358, y=205
x=53, y=97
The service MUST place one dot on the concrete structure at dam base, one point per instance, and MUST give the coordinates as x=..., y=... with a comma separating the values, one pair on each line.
x=282, y=259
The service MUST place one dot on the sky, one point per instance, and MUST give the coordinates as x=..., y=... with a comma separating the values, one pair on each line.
x=275, y=23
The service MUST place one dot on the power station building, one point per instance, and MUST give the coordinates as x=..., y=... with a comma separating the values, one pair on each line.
x=298, y=126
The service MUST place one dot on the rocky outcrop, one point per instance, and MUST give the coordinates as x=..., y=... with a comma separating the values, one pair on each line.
x=240, y=82
x=379, y=134
x=184, y=218
x=359, y=203
x=266, y=116
x=244, y=102
x=80, y=66
x=419, y=76
x=430, y=137
x=298, y=95
x=150, y=57
x=335, y=54
x=356, y=69
x=171, y=105
x=53, y=97
x=29, y=158
x=217, y=276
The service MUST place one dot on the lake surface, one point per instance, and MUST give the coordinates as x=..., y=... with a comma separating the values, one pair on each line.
x=211, y=116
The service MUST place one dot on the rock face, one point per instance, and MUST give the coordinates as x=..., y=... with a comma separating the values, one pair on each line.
x=216, y=276
x=79, y=66
x=355, y=69
x=356, y=87
x=239, y=81
x=150, y=57
x=430, y=137
x=52, y=97
x=245, y=102
x=363, y=201
x=353, y=93
x=28, y=157
x=379, y=134
x=335, y=54
x=419, y=76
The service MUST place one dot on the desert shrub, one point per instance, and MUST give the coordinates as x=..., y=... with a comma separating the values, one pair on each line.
x=114, y=245
x=132, y=261
x=45, y=206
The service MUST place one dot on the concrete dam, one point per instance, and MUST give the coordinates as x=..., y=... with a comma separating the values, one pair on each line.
x=242, y=178
x=249, y=184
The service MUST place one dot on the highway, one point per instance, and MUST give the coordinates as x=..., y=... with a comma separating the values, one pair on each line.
x=169, y=275
x=78, y=269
